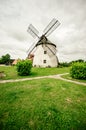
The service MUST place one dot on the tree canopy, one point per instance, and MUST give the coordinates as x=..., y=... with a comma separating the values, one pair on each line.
x=5, y=59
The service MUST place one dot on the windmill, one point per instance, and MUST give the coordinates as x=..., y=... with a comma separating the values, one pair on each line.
x=43, y=52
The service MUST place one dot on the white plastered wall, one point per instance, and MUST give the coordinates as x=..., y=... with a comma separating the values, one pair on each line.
x=39, y=56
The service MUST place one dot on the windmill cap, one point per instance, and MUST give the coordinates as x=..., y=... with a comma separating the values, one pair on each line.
x=44, y=40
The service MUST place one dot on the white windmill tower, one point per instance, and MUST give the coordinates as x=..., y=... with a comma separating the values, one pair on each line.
x=45, y=51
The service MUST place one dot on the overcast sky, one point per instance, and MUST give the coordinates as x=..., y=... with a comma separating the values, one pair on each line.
x=70, y=36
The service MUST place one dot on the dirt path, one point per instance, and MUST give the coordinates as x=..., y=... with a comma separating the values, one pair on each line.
x=58, y=76
x=68, y=80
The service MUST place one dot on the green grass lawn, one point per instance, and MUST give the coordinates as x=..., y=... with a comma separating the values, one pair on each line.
x=44, y=104
x=11, y=72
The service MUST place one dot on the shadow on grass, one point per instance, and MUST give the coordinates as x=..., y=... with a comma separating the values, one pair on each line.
x=33, y=74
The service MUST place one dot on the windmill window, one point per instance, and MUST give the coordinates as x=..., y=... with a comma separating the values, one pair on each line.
x=45, y=52
x=44, y=61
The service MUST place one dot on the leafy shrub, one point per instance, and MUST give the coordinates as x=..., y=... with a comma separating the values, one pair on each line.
x=78, y=70
x=63, y=64
x=67, y=64
x=24, y=67
x=79, y=60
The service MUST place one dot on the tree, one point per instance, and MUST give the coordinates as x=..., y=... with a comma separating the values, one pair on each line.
x=5, y=59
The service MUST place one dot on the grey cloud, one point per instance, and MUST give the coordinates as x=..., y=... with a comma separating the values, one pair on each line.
x=18, y=36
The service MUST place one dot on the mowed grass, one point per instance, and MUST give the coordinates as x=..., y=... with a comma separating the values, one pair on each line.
x=11, y=72
x=67, y=76
x=44, y=104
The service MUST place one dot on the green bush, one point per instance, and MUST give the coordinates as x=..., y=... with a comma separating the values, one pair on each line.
x=78, y=70
x=24, y=67
x=63, y=64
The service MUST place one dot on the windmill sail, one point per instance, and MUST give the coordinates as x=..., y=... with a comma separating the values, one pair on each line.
x=33, y=31
x=51, y=50
x=31, y=48
x=51, y=27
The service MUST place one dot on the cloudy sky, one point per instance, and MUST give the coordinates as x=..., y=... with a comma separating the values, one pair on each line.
x=70, y=36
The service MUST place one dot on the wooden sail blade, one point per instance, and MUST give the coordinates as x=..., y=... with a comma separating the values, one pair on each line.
x=32, y=47
x=51, y=27
x=50, y=50
x=33, y=31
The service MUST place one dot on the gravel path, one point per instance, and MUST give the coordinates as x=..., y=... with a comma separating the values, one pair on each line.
x=58, y=76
